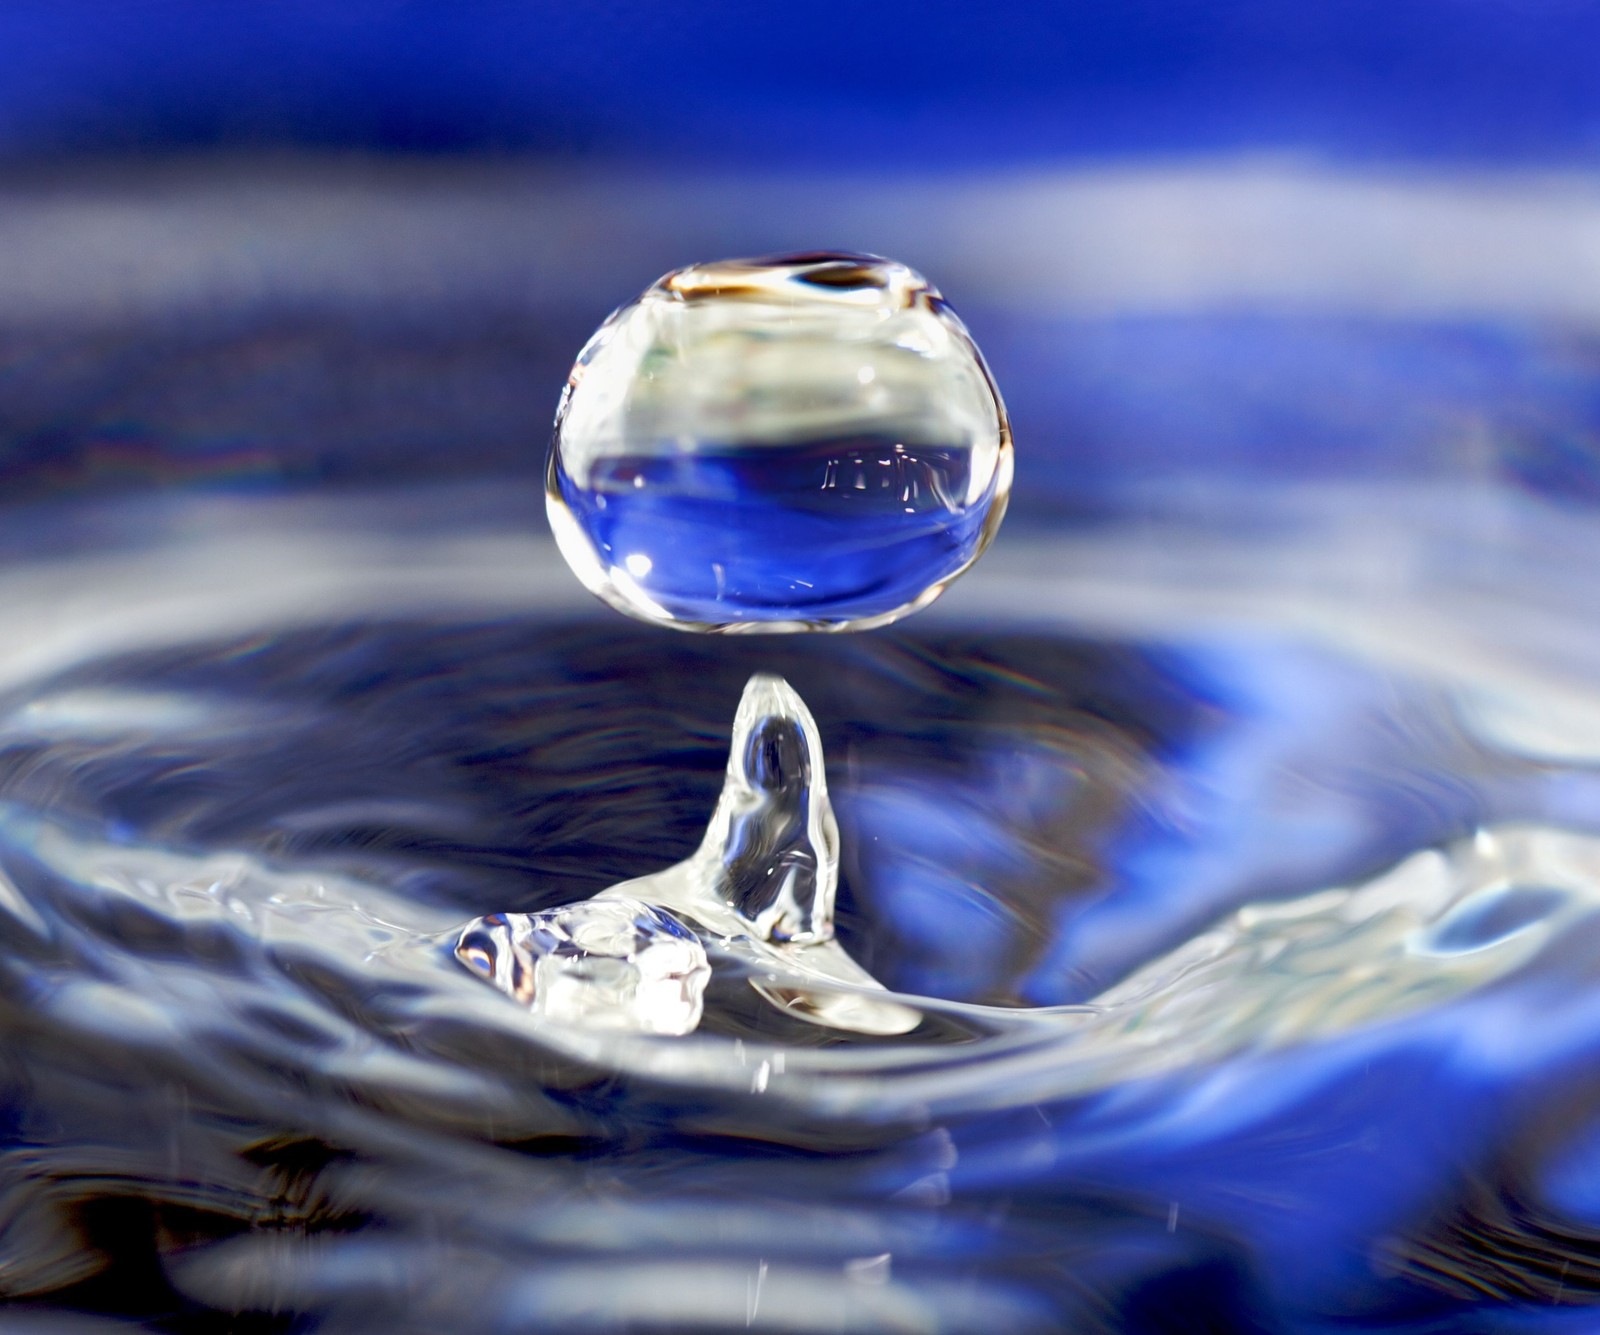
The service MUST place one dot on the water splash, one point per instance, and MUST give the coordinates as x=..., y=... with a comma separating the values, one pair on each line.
x=760, y=889
x=608, y=964
x=810, y=442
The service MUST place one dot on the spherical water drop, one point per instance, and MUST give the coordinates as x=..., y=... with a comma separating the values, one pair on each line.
x=810, y=442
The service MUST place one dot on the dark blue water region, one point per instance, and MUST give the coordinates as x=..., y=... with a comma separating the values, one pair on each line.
x=813, y=80
x=1105, y=411
x=835, y=530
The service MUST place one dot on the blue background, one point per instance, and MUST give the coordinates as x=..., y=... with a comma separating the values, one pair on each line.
x=239, y=396
x=935, y=81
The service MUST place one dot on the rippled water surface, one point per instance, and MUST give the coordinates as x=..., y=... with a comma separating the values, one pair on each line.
x=1250, y=972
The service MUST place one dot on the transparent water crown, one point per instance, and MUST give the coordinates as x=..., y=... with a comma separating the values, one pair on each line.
x=759, y=892
x=805, y=442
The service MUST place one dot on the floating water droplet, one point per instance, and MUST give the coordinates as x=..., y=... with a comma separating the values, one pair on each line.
x=758, y=893
x=810, y=442
x=609, y=963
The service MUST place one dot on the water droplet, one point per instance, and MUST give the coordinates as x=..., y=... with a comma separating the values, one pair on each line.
x=810, y=442
x=758, y=893
x=611, y=963
x=771, y=852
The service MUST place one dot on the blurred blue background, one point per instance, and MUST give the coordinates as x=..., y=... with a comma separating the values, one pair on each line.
x=869, y=85
x=1204, y=245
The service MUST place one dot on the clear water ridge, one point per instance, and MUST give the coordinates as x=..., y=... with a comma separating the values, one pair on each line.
x=806, y=442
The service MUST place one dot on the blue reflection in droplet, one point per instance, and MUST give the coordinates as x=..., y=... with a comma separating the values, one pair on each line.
x=809, y=442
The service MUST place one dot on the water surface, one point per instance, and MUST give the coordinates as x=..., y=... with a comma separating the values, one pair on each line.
x=1253, y=938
